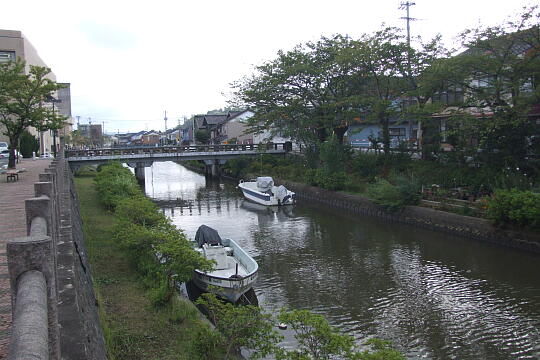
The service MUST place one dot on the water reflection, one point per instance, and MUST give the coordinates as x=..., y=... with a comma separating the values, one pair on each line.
x=433, y=295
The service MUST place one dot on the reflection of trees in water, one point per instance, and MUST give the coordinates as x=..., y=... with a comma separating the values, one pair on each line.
x=435, y=295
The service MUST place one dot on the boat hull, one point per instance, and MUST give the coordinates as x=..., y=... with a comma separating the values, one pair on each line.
x=263, y=198
x=230, y=288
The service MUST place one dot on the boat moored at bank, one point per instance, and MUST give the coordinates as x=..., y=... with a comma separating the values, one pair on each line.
x=235, y=271
x=263, y=191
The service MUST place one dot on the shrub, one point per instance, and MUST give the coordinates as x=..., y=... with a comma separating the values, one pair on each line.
x=139, y=211
x=514, y=207
x=408, y=189
x=317, y=339
x=237, y=167
x=237, y=326
x=385, y=194
x=161, y=253
x=367, y=165
x=28, y=144
x=325, y=179
x=115, y=183
x=330, y=180
x=394, y=197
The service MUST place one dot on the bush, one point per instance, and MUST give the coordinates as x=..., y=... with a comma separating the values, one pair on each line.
x=237, y=326
x=115, y=183
x=367, y=165
x=385, y=194
x=327, y=180
x=514, y=207
x=331, y=180
x=28, y=144
x=237, y=167
x=161, y=253
x=394, y=197
x=139, y=211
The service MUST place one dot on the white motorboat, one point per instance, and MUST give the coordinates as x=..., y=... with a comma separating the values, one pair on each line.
x=234, y=272
x=263, y=191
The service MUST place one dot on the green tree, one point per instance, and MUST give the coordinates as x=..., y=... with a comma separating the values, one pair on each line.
x=303, y=93
x=318, y=340
x=22, y=102
x=236, y=327
x=77, y=139
x=202, y=136
x=377, y=59
x=499, y=75
x=28, y=144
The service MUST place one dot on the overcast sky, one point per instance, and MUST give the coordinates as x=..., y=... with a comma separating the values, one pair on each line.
x=129, y=61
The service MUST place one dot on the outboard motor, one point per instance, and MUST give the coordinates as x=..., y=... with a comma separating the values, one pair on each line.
x=282, y=194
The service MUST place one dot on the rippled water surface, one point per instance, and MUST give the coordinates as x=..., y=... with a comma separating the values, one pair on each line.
x=434, y=296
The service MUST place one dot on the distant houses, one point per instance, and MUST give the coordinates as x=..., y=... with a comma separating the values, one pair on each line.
x=224, y=128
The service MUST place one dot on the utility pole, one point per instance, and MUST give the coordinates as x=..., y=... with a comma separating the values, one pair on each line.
x=165, y=118
x=405, y=6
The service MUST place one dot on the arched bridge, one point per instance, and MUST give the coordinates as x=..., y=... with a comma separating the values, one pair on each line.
x=140, y=157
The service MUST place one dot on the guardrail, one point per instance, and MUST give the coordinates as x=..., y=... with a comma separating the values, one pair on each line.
x=177, y=149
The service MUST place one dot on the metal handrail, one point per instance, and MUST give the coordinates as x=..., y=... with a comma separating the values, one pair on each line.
x=174, y=149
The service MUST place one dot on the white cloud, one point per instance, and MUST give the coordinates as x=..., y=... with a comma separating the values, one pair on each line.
x=131, y=60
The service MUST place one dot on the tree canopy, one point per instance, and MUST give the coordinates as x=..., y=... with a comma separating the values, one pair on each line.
x=23, y=99
x=320, y=88
x=478, y=100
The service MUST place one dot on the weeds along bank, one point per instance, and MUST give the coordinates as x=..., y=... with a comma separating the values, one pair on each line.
x=141, y=314
x=137, y=322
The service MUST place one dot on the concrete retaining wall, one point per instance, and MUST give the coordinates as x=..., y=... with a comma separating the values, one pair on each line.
x=466, y=226
x=50, y=277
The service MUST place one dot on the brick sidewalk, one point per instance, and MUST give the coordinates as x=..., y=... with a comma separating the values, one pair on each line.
x=13, y=224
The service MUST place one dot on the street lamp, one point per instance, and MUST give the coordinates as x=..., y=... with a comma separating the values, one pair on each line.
x=52, y=100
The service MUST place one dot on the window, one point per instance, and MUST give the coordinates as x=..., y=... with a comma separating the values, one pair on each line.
x=6, y=56
x=397, y=131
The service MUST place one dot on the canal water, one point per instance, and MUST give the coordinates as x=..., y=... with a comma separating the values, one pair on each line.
x=434, y=296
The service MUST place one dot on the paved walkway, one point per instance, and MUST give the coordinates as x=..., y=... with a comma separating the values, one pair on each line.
x=13, y=224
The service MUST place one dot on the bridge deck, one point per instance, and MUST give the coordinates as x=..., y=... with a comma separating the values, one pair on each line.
x=164, y=153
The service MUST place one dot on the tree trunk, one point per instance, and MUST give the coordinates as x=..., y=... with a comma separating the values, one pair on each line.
x=322, y=134
x=13, y=143
x=340, y=133
x=386, y=135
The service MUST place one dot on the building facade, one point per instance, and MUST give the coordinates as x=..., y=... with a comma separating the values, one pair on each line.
x=14, y=45
x=92, y=132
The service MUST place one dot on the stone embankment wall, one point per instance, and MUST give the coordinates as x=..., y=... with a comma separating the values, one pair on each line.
x=53, y=304
x=466, y=226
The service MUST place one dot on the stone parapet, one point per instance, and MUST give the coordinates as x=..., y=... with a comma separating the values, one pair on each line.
x=50, y=277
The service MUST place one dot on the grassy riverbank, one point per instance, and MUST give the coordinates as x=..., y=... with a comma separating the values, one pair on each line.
x=133, y=328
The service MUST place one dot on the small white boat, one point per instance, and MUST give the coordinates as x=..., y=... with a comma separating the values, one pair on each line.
x=235, y=271
x=263, y=191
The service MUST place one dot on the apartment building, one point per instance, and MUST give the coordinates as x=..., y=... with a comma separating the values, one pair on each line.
x=14, y=45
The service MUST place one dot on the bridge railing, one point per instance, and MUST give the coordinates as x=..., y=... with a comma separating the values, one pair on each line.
x=177, y=149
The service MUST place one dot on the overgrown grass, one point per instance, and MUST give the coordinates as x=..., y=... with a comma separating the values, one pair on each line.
x=133, y=328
